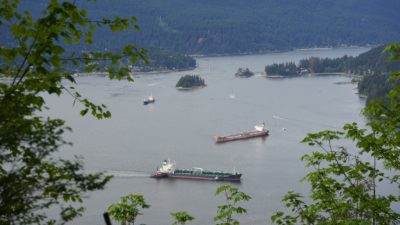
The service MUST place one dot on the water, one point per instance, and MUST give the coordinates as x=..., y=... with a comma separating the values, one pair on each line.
x=181, y=126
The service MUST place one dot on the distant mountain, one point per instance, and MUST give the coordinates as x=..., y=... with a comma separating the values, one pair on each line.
x=244, y=26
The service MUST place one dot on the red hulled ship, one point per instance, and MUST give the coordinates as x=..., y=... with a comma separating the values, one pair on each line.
x=259, y=131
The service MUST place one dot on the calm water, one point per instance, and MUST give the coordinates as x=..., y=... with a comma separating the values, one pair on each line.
x=181, y=126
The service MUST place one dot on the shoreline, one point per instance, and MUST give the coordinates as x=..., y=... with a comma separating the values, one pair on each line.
x=133, y=73
x=280, y=51
x=350, y=75
x=199, y=56
x=190, y=88
x=164, y=71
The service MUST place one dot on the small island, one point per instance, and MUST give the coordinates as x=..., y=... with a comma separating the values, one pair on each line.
x=244, y=72
x=188, y=82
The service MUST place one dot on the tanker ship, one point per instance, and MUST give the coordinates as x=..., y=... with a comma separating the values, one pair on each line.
x=167, y=170
x=259, y=131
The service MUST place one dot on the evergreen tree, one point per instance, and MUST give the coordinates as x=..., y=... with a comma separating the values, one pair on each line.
x=33, y=64
x=190, y=81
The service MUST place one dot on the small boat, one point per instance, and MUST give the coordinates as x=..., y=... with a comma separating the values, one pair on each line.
x=149, y=100
x=167, y=170
x=259, y=131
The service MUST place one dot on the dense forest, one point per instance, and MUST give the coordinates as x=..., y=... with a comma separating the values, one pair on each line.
x=156, y=61
x=373, y=65
x=165, y=61
x=372, y=62
x=283, y=69
x=375, y=86
x=243, y=26
x=190, y=81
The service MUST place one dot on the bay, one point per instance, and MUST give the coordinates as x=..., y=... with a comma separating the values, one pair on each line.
x=181, y=125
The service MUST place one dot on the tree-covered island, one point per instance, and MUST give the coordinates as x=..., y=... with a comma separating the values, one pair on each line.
x=190, y=82
x=244, y=72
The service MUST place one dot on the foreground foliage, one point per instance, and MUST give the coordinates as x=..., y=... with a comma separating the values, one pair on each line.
x=226, y=213
x=181, y=218
x=346, y=181
x=33, y=65
x=128, y=208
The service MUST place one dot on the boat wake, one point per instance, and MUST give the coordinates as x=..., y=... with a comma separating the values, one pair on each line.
x=127, y=174
x=278, y=117
x=153, y=84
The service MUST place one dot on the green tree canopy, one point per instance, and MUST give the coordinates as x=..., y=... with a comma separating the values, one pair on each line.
x=128, y=208
x=37, y=62
x=181, y=218
x=226, y=213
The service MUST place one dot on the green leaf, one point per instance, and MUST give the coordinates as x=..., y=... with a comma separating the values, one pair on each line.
x=83, y=112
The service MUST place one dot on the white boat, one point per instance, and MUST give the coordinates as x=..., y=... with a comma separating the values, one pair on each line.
x=149, y=100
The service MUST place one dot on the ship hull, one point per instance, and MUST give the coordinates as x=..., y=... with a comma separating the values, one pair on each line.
x=241, y=136
x=148, y=102
x=231, y=178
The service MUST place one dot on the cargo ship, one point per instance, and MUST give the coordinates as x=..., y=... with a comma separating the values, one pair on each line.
x=259, y=131
x=167, y=170
x=149, y=100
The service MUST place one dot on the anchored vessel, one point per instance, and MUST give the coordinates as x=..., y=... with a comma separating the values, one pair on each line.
x=149, y=100
x=167, y=170
x=259, y=131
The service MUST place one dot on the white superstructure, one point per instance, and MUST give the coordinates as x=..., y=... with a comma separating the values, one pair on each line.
x=260, y=127
x=167, y=166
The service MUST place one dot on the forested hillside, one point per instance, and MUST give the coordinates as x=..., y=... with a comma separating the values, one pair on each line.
x=372, y=62
x=244, y=26
x=373, y=65
x=165, y=61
